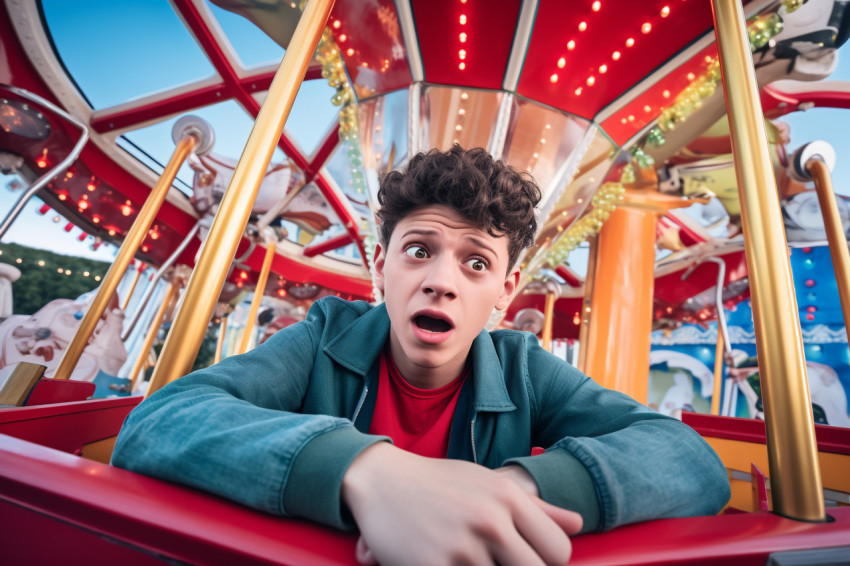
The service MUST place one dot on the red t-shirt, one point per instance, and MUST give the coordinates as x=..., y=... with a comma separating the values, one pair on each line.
x=418, y=420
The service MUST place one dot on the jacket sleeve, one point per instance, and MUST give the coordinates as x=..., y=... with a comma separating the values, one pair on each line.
x=234, y=429
x=612, y=459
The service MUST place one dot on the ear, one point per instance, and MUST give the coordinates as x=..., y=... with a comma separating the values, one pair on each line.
x=511, y=284
x=378, y=276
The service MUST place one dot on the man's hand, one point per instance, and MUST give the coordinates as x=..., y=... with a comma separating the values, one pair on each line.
x=416, y=510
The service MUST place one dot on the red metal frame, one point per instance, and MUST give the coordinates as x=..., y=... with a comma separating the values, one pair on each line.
x=67, y=426
x=47, y=489
x=829, y=438
x=328, y=245
x=777, y=103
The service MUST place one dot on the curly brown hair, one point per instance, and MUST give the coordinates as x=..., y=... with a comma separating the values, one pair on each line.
x=490, y=194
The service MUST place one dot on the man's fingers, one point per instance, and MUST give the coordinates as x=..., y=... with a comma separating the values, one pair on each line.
x=570, y=521
x=546, y=536
x=517, y=551
x=364, y=555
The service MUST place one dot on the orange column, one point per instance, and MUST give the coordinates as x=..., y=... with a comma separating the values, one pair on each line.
x=618, y=340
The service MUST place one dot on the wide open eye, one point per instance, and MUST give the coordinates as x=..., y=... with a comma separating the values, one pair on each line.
x=416, y=251
x=477, y=264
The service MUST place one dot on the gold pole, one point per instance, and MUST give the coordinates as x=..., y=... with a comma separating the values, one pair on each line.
x=187, y=332
x=128, y=249
x=586, y=320
x=258, y=297
x=792, y=451
x=548, y=315
x=20, y=383
x=132, y=287
x=219, y=345
x=718, y=371
x=138, y=367
x=834, y=232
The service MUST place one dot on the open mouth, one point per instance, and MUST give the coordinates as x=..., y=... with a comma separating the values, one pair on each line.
x=431, y=324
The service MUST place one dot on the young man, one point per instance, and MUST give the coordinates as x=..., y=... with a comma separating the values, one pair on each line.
x=409, y=420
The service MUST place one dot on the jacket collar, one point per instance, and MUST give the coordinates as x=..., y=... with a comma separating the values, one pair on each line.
x=358, y=346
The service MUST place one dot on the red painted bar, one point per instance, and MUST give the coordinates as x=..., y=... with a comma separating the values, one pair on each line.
x=830, y=438
x=48, y=489
x=67, y=426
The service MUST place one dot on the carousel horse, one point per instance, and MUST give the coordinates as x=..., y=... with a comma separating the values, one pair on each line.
x=43, y=337
x=307, y=207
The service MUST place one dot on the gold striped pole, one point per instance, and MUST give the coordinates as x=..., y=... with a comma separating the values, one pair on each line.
x=792, y=452
x=834, y=232
x=187, y=332
x=258, y=297
x=718, y=373
x=136, y=277
x=548, y=316
x=584, y=314
x=139, y=365
x=135, y=237
x=219, y=345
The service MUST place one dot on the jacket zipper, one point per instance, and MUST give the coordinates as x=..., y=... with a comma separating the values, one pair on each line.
x=360, y=403
x=472, y=439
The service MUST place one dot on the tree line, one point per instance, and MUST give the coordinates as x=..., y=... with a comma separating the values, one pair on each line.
x=46, y=275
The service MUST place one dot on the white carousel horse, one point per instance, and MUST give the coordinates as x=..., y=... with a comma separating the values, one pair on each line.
x=43, y=337
x=307, y=207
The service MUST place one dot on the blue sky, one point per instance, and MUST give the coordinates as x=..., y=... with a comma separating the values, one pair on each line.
x=142, y=47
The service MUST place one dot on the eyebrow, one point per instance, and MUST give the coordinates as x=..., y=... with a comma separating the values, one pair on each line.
x=426, y=232
x=420, y=232
x=479, y=242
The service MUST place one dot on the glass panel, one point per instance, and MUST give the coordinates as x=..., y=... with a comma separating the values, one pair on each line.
x=457, y=115
x=369, y=39
x=229, y=121
x=340, y=169
x=572, y=200
x=384, y=129
x=253, y=47
x=593, y=170
x=312, y=115
x=39, y=226
x=309, y=216
x=540, y=140
x=118, y=51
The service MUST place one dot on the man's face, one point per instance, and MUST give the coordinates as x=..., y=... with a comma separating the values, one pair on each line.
x=440, y=277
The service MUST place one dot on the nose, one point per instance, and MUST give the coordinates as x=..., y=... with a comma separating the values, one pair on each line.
x=441, y=278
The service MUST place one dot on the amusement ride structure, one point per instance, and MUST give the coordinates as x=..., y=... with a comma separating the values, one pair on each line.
x=631, y=116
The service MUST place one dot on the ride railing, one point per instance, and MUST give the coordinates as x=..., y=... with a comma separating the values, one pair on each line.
x=790, y=439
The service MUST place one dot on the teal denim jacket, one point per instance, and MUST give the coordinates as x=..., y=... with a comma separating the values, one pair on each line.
x=276, y=428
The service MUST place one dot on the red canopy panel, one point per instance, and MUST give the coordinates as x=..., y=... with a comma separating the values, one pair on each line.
x=584, y=55
x=465, y=43
x=370, y=42
x=631, y=118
